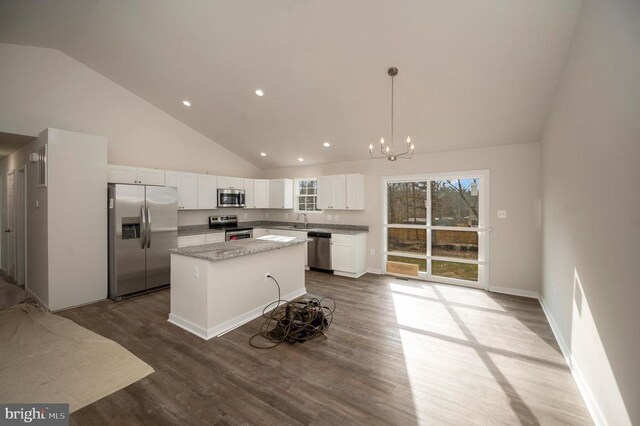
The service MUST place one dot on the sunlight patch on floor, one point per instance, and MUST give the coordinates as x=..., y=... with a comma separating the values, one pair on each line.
x=425, y=315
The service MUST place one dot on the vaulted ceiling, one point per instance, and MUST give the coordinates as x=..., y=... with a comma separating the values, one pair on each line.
x=472, y=73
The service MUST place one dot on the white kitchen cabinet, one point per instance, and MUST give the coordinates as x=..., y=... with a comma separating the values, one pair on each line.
x=260, y=232
x=355, y=192
x=281, y=193
x=134, y=175
x=341, y=192
x=217, y=237
x=332, y=192
x=207, y=192
x=150, y=176
x=249, y=198
x=191, y=240
x=261, y=193
x=187, y=184
x=226, y=182
x=349, y=254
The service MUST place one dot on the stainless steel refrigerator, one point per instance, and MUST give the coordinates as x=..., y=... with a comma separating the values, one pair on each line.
x=143, y=226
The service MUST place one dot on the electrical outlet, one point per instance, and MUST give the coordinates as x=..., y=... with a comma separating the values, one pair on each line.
x=372, y=252
x=286, y=215
x=502, y=214
x=335, y=217
x=266, y=215
x=266, y=277
x=329, y=217
x=196, y=272
x=245, y=215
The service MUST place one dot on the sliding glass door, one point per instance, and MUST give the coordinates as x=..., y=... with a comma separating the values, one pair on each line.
x=434, y=227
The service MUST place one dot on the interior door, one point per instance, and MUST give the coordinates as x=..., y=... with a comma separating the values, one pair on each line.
x=128, y=238
x=162, y=221
x=10, y=230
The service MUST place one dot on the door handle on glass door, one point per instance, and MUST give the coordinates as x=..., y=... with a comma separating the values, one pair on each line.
x=143, y=227
x=148, y=227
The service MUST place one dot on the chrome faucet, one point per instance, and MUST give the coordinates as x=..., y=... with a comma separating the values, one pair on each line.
x=306, y=221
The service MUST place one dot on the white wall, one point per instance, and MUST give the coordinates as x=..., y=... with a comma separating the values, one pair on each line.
x=43, y=88
x=591, y=231
x=515, y=242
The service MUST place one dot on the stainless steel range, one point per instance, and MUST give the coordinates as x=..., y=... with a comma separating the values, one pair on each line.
x=230, y=225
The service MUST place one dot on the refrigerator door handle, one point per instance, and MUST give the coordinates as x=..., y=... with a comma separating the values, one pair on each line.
x=143, y=228
x=148, y=228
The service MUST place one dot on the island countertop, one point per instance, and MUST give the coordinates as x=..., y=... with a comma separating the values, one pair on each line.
x=230, y=249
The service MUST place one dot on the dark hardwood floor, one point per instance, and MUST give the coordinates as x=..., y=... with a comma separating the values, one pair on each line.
x=398, y=352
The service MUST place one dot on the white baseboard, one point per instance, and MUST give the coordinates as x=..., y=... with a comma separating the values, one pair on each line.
x=229, y=325
x=583, y=387
x=514, y=292
x=376, y=271
x=37, y=299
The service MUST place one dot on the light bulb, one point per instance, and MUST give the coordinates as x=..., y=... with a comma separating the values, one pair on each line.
x=381, y=141
x=387, y=149
x=370, y=147
x=408, y=140
x=413, y=147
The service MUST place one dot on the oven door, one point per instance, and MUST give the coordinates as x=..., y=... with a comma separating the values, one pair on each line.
x=231, y=198
x=238, y=235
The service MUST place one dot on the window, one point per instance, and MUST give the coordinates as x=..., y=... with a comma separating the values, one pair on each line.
x=307, y=195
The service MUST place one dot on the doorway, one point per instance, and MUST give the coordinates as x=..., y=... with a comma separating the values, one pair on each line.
x=434, y=227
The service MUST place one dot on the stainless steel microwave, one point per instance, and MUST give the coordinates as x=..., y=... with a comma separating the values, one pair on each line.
x=231, y=198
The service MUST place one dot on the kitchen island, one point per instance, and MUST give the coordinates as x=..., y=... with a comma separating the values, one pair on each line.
x=218, y=287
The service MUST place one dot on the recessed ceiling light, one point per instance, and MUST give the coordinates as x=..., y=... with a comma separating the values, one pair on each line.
x=259, y=92
x=263, y=154
x=300, y=159
x=326, y=144
x=186, y=103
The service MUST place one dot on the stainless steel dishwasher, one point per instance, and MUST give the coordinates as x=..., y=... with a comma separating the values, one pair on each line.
x=319, y=251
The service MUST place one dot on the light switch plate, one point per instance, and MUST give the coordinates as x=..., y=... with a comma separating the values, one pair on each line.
x=502, y=214
x=335, y=217
x=372, y=252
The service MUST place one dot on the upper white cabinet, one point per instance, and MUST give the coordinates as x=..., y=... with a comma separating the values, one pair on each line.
x=225, y=182
x=135, y=175
x=207, y=192
x=341, y=192
x=256, y=193
x=249, y=199
x=187, y=184
x=261, y=193
x=281, y=194
x=355, y=192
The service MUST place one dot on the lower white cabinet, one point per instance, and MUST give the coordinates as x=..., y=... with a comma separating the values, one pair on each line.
x=260, y=232
x=218, y=237
x=191, y=240
x=197, y=240
x=349, y=254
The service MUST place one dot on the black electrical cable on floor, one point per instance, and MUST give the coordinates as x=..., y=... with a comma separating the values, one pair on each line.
x=297, y=321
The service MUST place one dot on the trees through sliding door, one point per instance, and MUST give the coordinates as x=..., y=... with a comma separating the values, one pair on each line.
x=434, y=228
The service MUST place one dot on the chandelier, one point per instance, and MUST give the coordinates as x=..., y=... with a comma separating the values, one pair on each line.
x=387, y=150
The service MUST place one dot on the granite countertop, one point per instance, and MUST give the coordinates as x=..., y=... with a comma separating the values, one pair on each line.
x=316, y=228
x=230, y=249
x=189, y=230
x=185, y=231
